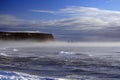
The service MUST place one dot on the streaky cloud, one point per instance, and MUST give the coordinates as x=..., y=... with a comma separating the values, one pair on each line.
x=81, y=23
x=44, y=11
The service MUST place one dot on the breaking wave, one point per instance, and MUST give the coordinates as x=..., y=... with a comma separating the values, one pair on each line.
x=10, y=75
x=3, y=54
x=59, y=61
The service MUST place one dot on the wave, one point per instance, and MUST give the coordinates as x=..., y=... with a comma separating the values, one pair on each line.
x=72, y=55
x=59, y=60
x=10, y=75
x=66, y=53
x=4, y=54
x=52, y=66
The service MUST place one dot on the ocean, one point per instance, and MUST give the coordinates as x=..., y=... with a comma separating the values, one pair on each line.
x=30, y=60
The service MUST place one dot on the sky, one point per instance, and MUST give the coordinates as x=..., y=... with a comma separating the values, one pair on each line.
x=67, y=20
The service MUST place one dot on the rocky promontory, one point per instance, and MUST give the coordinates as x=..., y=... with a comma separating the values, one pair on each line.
x=26, y=36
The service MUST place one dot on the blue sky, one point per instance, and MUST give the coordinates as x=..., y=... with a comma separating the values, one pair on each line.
x=81, y=20
x=22, y=8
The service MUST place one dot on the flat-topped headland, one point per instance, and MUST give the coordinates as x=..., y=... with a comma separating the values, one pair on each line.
x=37, y=36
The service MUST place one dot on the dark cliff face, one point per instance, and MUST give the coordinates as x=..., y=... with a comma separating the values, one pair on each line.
x=26, y=36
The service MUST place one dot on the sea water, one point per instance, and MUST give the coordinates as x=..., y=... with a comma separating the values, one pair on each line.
x=29, y=60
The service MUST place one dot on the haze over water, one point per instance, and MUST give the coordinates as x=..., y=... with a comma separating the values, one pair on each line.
x=60, y=60
x=87, y=45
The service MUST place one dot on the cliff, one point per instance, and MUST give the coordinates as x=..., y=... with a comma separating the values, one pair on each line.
x=26, y=36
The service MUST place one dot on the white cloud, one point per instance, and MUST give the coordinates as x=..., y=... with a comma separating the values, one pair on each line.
x=80, y=18
x=86, y=17
x=12, y=21
x=43, y=11
x=9, y=20
x=92, y=22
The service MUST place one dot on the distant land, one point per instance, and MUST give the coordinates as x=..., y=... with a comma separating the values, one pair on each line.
x=37, y=36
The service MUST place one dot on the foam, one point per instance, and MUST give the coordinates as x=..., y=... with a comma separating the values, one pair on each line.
x=15, y=50
x=3, y=54
x=10, y=75
x=66, y=53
